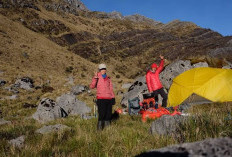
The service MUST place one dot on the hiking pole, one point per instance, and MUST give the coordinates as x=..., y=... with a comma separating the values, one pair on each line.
x=95, y=107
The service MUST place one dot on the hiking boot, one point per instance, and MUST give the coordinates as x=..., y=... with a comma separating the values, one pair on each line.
x=100, y=125
x=106, y=123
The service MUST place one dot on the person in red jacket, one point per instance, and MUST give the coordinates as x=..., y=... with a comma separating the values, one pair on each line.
x=105, y=96
x=154, y=84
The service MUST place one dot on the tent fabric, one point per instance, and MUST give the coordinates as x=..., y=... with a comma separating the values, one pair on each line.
x=213, y=84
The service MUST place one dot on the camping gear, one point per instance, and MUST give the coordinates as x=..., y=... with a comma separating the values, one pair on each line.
x=149, y=101
x=153, y=113
x=213, y=84
x=134, y=106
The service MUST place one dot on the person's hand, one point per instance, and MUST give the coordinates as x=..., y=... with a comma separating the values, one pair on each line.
x=95, y=75
x=161, y=57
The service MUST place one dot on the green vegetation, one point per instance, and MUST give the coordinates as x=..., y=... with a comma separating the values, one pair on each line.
x=126, y=137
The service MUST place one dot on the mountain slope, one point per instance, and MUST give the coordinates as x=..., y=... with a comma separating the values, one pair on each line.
x=128, y=44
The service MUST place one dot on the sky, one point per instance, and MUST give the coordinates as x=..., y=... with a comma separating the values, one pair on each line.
x=212, y=14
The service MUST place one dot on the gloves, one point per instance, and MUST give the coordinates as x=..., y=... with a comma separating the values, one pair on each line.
x=113, y=101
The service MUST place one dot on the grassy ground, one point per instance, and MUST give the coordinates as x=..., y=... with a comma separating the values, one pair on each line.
x=126, y=137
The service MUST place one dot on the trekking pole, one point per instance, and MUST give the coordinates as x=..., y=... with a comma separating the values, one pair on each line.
x=95, y=108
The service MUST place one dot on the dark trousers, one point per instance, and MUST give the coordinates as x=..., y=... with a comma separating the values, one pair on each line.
x=104, y=109
x=163, y=95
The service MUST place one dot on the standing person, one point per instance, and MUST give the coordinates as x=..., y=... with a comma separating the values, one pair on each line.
x=105, y=96
x=154, y=84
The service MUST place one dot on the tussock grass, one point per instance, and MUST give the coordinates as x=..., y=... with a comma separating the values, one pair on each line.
x=127, y=136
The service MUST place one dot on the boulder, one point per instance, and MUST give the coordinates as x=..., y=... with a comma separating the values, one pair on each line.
x=72, y=105
x=136, y=90
x=126, y=85
x=52, y=128
x=78, y=89
x=200, y=64
x=47, y=110
x=2, y=82
x=65, y=105
x=24, y=83
x=18, y=142
x=217, y=147
x=167, y=124
x=2, y=121
x=173, y=70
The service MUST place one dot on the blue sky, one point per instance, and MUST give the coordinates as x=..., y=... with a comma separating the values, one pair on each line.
x=213, y=14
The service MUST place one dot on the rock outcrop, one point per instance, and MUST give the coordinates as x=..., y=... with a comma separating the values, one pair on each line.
x=66, y=104
x=218, y=147
x=18, y=142
x=72, y=105
x=24, y=83
x=51, y=129
x=138, y=88
x=176, y=68
x=67, y=6
x=167, y=125
x=78, y=89
x=47, y=110
x=2, y=82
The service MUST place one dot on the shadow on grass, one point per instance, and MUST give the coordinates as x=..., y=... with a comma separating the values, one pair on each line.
x=163, y=154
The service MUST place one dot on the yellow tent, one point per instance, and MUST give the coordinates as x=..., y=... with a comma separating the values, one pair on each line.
x=211, y=83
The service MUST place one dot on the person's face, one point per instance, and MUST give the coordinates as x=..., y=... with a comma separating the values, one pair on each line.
x=103, y=71
x=153, y=69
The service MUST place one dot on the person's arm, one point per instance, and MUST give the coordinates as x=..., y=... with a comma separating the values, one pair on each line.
x=94, y=81
x=161, y=65
x=112, y=94
x=111, y=90
x=148, y=79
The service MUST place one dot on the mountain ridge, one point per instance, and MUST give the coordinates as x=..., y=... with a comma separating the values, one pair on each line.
x=127, y=41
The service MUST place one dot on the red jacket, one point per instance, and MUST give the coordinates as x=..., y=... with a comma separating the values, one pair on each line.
x=152, y=78
x=104, y=87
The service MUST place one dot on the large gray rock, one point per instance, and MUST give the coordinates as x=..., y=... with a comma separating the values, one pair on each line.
x=137, y=89
x=218, y=147
x=52, y=128
x=175, y=69
x=71, y=105
x=47, y=110
x=24, y=83
x=167, y=124
x=18, y=142
x=2, y=121
x=200, y=64
x=126, y=85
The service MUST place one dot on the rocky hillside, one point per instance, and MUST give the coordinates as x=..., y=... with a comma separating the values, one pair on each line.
x=130, y=44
